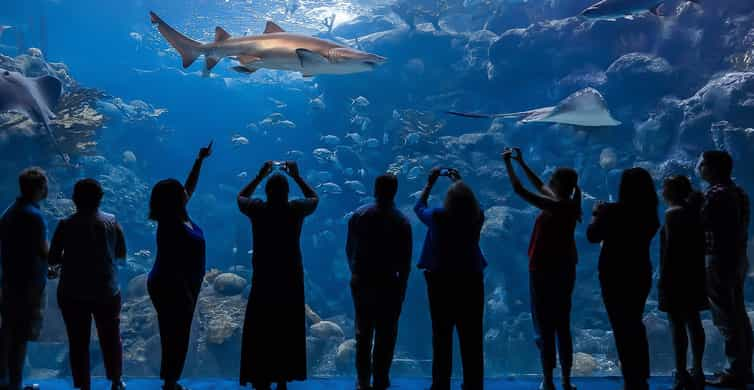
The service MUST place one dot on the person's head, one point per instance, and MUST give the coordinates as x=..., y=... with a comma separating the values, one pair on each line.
x=385, y=188
x=32, y=182
x=87, y=195
x=277, y=188
x=460, y=202
x=168, y=201
x=637, y=190
x=715, y=166
x=676, y=189
x=563, y=182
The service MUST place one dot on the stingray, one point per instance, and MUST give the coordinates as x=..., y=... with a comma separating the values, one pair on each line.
x=586, y=108
x=33, y=97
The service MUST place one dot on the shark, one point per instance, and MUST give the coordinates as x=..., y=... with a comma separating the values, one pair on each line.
x=585, y=108
x=615, y=9
x=274, y=49
x=3, y=29
x=35, y=98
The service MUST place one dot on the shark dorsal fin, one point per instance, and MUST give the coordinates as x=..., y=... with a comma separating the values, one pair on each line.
x=272, y=28
x=221, y=34
x=49, y=89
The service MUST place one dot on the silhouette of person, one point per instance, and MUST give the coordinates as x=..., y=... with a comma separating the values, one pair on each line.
x=273, y=346
x=379, y=251
x=552, y=262
x=453, y=267
x=87, y=246
x=24, y=250
x=725, y=216
x=178, y=272
x=681, y=288
x=626, y=229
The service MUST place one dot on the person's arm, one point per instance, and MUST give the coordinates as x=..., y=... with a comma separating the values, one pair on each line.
x=311, y=200
x=538, y=201
x=407, y=248
x=193, y=177
x=55, y=256
x=244, y=196
x=531, y=175
x=120, y=243
x=422, y=208
x=577, y=199
x=596, y=232
x=351, y=241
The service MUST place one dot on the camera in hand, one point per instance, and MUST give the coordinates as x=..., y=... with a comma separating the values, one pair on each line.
x=279, y=164
x=445, y=172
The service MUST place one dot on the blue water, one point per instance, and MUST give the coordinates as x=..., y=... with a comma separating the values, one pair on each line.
x=680, y=84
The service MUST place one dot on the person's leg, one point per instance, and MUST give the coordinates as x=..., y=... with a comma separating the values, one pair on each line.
x=471, y=331
x=544, y=329
x=107, y=320
x=744, y=330
x=77, y=317
x=680, y=339
x=639, y=338
x=563, y=326
x=364, y=314
x=386, y=334
x=722, y=305
x=16, y=361
x=698, y=341
x=442, y=331
x=175, y=330
x=5, y=339
x=615, y=305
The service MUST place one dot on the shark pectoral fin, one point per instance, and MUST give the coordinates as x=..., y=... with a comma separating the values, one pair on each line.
x=310, y=58
x=271, y=27
x=49, y=89
x=246, y=60
x=211, y=62
x=244, y=70
x=221, y=34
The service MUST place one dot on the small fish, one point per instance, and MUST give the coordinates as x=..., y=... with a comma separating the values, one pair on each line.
x=331, y=140
x=323, y=154
x=317, y=103
x=414, y=173
x=295, y=154
x=330, y=188
x=355, y=138
x=360, y=101
x=136, y=36
x=287, y=124
x=278, y=103
x=239, y=140
x=412, y=139
x=243, y=175
x=372, y=143
x=356, y=186
x=129, y=157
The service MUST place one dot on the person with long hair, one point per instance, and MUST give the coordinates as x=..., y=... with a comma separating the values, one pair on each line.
x=178, y=272
x=626, y=229
x=88, y=246
x=453, y=266
x=273, y=346
x=682, y=286
x=552, y=262
x=725, y=217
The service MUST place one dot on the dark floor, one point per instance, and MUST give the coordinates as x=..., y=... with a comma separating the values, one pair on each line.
x=346, y=384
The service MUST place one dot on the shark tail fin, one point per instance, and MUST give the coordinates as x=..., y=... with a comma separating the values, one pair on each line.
x=188, y=48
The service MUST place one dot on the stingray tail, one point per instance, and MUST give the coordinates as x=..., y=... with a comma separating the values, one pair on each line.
x=489, y=116
x=188, y=48
x=66, y=158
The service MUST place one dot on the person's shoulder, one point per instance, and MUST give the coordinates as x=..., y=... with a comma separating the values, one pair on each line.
x=107, y=217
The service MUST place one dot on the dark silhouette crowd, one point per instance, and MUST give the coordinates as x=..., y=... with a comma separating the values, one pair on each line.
x=703, y=266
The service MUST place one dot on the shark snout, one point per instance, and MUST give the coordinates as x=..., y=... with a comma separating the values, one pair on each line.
x=375, y=60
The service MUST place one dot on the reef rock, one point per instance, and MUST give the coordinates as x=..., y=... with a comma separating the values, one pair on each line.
x=326, y=330
x=640, y=76
x=345, y=355
x=584, y=364
x=229, y=284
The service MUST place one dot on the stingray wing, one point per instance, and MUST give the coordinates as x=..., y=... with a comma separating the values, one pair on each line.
x=586, y=107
